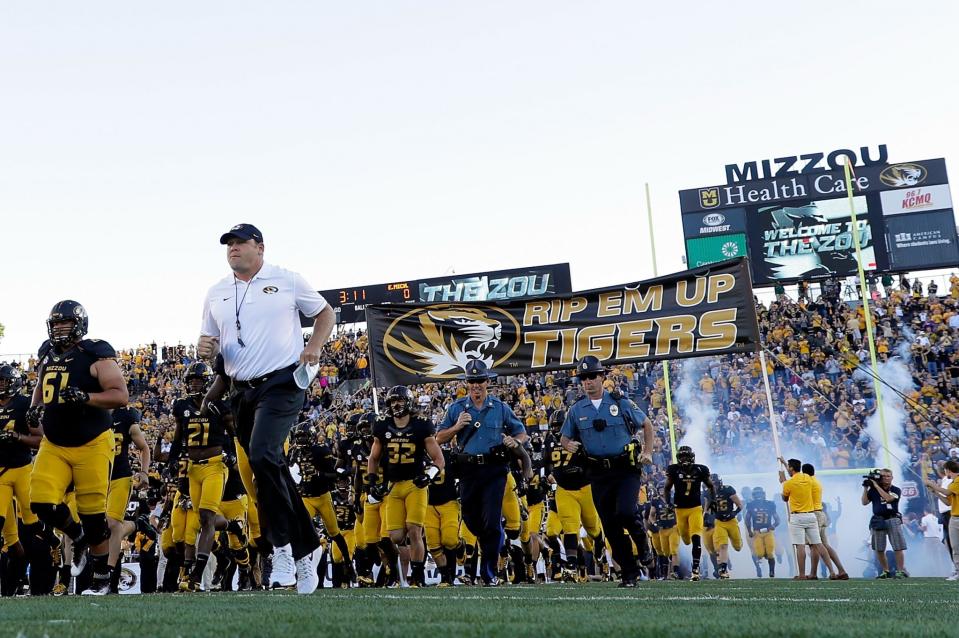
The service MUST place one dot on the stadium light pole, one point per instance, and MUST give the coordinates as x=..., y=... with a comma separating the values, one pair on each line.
x=669, y=395
x=847, y=165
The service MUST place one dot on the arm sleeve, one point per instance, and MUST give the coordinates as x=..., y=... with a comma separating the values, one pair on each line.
x=569, y=428
x=208, y=325
x=452, y=413
x=512, y=424
x=307, y=300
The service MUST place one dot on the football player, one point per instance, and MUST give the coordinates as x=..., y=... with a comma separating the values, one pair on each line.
x=403, y=442
x=79, y=382
x=235, y=508
x=208, y=441
x=443, y=521
x=662, y=516
x=126, y=430
x=727, y=505
x=687, y=477
x=574, y=503
x=17, y=439
x=345, y=509
x=317, y=473
x=761, y=519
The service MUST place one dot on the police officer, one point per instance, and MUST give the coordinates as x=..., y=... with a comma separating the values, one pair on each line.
x=605, y=427
x=482, y=426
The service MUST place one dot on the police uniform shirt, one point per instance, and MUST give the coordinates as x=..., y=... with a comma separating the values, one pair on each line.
x=581, y=421
x=269, y=316
x=490, y=423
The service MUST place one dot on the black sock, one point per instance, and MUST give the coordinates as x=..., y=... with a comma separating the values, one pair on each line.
x=73, y=529
x=450, y=570
x=101, y=571
x=418, y=572
x=772, y=566
x=115, y=577
x=199, y=566
x=697, y=551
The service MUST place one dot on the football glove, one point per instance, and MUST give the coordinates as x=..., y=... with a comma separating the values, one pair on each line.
x=428, y=476
x=375, y=494
x=34, y=416
x=74, y=396
x=8, y=435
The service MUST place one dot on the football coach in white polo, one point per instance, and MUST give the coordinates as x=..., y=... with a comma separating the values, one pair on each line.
x=252, y=318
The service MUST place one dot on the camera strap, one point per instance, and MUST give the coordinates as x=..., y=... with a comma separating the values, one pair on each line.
x=627, y=418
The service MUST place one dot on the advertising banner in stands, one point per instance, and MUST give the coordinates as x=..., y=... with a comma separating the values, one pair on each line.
x=705, y=311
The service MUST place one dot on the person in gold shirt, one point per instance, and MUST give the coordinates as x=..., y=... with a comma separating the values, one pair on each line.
x=950, y=496
x=823, y=522
x=803, y=526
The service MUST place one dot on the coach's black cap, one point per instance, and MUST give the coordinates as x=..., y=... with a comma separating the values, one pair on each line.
x=244, y=232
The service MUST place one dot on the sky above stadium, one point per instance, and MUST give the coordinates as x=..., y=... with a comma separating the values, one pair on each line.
x=379, y=141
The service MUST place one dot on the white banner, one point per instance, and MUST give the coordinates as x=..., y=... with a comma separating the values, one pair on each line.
x=916, y=199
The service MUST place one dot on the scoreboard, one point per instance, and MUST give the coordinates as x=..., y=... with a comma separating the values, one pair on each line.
x=350, y=303
x=796, y=225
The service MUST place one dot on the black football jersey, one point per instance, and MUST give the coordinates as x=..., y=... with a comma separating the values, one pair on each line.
x=404, y=449
x=443, y=488
x=123, y=420
x=317, y=466
x=564, y=466
x=13, y=418
x=200, y=431
x=665, y=513
x=759, y=515
x=71, y=424
x=687, y=482
x=724, y=506
x=344, y=509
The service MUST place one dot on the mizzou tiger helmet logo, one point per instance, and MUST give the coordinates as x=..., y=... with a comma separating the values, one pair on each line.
x=439, y=341
x=709, y=197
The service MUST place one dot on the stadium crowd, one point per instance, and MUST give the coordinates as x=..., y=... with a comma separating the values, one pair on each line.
x=818, y=366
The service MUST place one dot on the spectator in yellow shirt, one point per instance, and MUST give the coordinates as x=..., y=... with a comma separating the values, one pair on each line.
x=803, y=526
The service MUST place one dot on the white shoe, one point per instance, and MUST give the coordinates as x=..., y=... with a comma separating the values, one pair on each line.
x=306, y=579
x=284, y=572
x=953, y=577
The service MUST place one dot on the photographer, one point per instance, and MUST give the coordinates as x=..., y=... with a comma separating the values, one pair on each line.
x=886, y=521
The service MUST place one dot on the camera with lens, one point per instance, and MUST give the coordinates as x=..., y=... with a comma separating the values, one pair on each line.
x=874, y=475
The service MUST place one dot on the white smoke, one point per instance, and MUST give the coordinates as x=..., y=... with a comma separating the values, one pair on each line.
x=895, y=373
x=695, y=409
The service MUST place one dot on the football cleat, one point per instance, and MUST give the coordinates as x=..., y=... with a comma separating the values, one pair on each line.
x=99, y=587
x=59, y=589
x=694, y=575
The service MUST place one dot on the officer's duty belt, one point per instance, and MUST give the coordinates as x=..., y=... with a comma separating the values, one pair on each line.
x=620, y=462
x=480, y=459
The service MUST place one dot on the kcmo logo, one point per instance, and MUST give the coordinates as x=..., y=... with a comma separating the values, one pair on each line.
x=899, y=175
x=709, y=197
x=439, y=340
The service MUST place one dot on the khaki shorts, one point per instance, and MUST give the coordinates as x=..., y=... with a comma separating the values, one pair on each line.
x=804, y=529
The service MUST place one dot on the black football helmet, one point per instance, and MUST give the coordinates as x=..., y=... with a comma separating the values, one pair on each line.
x=68, y=310
x=304, y=434
x=10, y=382
x=198, y=371
x=759, y=494
x=716, y=480
x=685, y=455
x=556, y=420
x=399, y=401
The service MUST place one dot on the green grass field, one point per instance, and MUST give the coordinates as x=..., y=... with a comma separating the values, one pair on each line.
x=917, y=607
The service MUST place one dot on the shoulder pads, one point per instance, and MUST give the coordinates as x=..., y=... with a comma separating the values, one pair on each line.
x=45, y=347
x=97, y=348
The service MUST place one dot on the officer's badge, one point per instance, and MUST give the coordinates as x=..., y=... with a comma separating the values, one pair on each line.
x=614, y=410
x=585, y=366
